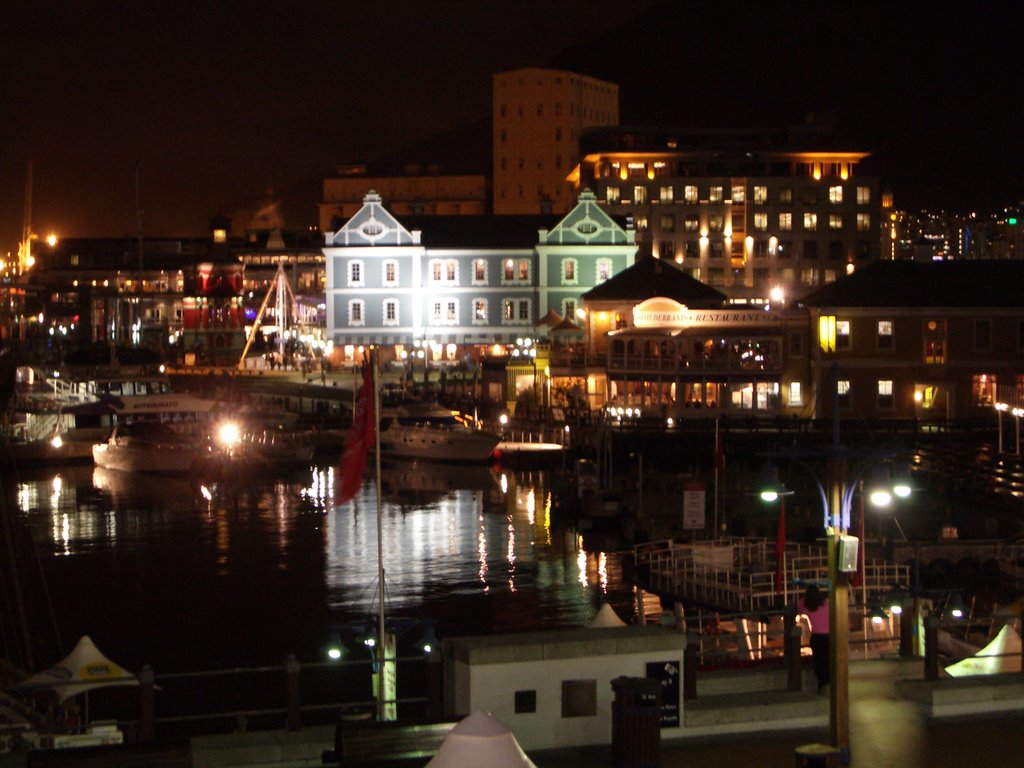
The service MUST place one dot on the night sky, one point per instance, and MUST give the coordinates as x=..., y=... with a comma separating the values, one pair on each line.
x=223, y=105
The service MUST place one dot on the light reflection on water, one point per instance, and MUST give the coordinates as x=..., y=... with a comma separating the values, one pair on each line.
x=157, y=569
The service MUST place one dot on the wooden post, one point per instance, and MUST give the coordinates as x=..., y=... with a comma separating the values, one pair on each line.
x=791, y=649
x=690, y=661
x=291, y=671
x=146, y=703
x=908, y=618
x=931, y=647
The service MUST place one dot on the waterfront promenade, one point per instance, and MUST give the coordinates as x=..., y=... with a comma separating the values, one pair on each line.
x=887, y=731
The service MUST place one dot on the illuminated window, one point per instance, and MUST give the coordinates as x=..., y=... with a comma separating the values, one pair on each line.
x=508, y=273
x=437, y=316
x=356, y=312
x=436, y=270
x=665, y=194
x=738, y=194
x=983, y=389
x=842, y=334
x=884, y=338
x=639, y=195
x=716, y=222
x=715, y=194
x=760, y=222
x=935, y=351
x=760, y=195
x=690, y=194
x=479, y=311
x=524, y=270
x=796, y=393
x=611, y=195
x=390, y=270
x=863, y=195
x=809, y=276
x=785, y=195
x=835, y=194
x=810, y=221
x=508, y=310
x=451, y=270
x=390, y=312
x=668, y=223
x=604, y=269
x=569, y=271
x=479, y=272
x=863, y=222
x=355, y=274
x=641, y=223
x=786, y=222
x=843, y=389
x=835, y=221
x=886, y=400
x=691, y=223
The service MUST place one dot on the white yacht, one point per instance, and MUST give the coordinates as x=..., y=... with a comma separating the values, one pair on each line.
x=429, y=431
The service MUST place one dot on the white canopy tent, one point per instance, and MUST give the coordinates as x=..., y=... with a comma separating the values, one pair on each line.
x=81, y=670
x=477, y=740
x=1000, y=655
x=606, y=617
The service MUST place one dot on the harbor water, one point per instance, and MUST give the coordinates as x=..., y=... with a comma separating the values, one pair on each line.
x=185, y=574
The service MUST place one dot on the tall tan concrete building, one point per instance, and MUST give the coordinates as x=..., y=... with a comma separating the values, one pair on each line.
x=538, y=117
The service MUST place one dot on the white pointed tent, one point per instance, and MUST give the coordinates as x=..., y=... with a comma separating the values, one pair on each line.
x=1001, y=655
x=606, y=617
x=81, y=670
x=478, y=740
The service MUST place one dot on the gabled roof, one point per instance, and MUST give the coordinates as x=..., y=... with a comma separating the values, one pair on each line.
x=650, y=277
x=586, y=224
x=371, y=225
x=926, y=284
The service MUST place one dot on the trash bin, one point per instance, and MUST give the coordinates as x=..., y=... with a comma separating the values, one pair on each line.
x=817, y=756
x=636, y=722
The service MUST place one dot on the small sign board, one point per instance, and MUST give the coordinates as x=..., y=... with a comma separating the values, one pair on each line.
x=694, y=501
x=668, y=673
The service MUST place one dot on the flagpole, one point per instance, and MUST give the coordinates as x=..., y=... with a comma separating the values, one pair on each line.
x=382, y=644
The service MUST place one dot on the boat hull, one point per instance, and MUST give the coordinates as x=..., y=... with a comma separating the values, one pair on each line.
x=438, y=445
x=137, y=457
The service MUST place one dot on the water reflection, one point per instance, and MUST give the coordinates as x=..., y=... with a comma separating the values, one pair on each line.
x=265, y=566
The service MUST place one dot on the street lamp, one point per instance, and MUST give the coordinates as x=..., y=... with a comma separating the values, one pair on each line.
x=773, y=490
x=843, y=558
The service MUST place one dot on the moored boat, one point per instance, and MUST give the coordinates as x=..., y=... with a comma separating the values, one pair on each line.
x=146, y=446
x=431, y=432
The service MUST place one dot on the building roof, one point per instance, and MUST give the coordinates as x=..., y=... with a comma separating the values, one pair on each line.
x=650, y=277
x=463, y=232
x=925, y=284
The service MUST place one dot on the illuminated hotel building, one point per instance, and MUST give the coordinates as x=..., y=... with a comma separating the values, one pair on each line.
x=539, y=116
x=742, y=215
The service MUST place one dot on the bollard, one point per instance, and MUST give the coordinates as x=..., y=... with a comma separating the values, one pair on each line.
x=794, y=669
x=146, y=703
x=908, y=619
x=931, y=647
x=291, y=671
x=680, y=617
x=690, y=660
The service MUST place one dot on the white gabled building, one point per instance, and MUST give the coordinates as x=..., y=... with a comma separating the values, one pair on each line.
x=461, y=284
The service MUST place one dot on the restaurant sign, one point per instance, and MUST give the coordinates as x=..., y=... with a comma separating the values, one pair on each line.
x=662, y=312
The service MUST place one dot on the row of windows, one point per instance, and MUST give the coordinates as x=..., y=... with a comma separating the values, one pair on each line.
x=760, y=249
x=934, y=337
x=716, y=222
x=540, y=163
x=446, y=272
x=586, y=112
x=692, y=194
x=445, y=311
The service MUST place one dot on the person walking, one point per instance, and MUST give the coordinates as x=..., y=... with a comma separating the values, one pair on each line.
x=814, y=605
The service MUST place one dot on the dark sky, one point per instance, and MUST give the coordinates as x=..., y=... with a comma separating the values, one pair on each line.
x=218, y=102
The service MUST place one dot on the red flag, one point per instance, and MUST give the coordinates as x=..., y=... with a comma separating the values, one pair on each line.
x=780, y=546
x=360, y=441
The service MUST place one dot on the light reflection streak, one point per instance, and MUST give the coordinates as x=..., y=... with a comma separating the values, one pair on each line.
x=581, y=565
x=602, y=572
x=65, y=533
